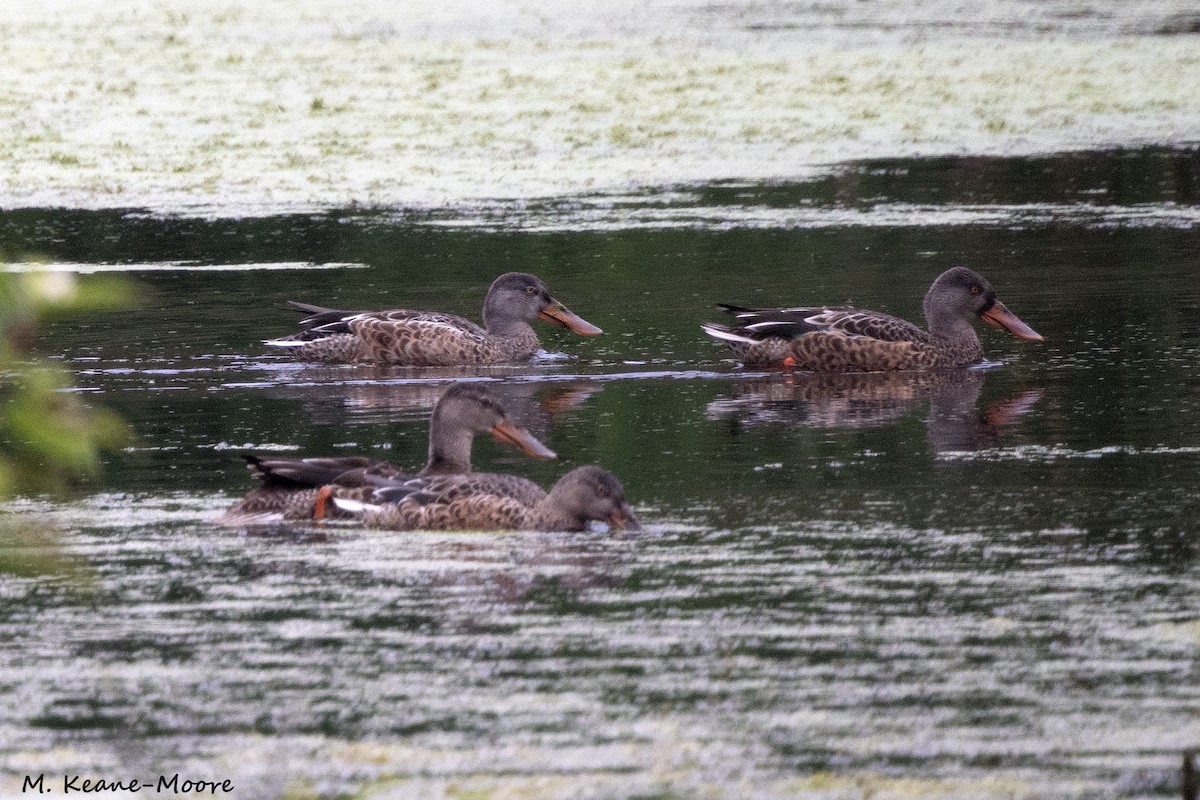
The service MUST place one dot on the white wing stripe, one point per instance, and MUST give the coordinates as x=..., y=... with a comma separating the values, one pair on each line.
x=726, y=335
x=353, y=506
x=769, y=324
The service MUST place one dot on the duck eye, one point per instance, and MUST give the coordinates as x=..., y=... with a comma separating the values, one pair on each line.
x=975, y=290
x=530, y=290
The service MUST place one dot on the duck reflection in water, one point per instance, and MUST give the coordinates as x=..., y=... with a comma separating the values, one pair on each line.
x=477, y=581
x=331, y=399
x=458, y=582
x=866, y=400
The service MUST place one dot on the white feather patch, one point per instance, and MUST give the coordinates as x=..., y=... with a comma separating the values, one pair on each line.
x=757, y=326
x=726, y=335
x=353, y=506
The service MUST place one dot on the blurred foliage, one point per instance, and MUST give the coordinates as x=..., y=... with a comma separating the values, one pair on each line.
x=50, y=439
x=29, y=550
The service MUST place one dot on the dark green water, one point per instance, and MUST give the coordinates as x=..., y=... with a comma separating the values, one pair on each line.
x=989, y=582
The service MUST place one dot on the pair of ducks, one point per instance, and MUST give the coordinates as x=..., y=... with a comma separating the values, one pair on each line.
x=823, y=339
x=446, y=495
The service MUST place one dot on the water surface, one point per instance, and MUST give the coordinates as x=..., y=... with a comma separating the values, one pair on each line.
x=978, y=585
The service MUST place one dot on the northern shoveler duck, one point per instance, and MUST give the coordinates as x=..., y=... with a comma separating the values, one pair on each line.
x=845, y=339
x=430, y=339
x=291, y=486
x=498, y=502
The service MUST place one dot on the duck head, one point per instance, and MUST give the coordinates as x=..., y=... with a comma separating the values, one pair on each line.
x=961, y=294
x=518, y=297
x=591, y=493
x=467, y=409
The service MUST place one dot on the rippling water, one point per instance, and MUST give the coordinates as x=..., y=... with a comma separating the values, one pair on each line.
x=978, y=585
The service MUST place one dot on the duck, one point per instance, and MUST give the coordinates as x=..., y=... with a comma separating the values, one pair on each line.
x=846, y=339
x=486, y=502
x=292, y=487
x=401, y=337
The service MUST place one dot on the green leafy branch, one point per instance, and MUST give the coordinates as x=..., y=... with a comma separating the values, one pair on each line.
x=50, y=439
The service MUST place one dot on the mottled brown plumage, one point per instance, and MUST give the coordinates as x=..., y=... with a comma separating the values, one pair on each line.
x=501, y=502
x=848, y=339
x=290, y=486
x=431, y=339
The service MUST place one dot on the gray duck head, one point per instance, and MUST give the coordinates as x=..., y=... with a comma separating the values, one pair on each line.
x=591, y=493
x=960, y=295
x=467, y=409
x=517, y=298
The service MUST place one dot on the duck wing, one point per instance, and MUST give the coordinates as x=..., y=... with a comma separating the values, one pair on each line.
x=443, y=489
x=397, y=336
x=324, y=322
x=757, y=324
x=311, y=473
x=313, y=327
x=479, y=501
x=421, y=338
x=482, y=512
x=400, y=320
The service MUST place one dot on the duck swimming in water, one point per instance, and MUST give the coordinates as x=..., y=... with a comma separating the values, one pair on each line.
x=484, y=501
x=431, y=339
x=845, y=339
x=291, y=486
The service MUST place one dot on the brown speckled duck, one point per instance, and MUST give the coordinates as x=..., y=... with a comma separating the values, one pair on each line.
x=848, y=339
x=430, y=339
x=291, y=486
x=498, y=502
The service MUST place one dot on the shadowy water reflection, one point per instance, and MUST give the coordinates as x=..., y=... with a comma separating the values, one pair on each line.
x=954, y=420
x=326, y=397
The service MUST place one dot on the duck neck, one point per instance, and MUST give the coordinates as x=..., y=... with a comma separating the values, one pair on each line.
x=449, y=449
x=945, y=324
x=549, y=515
x=501, y=322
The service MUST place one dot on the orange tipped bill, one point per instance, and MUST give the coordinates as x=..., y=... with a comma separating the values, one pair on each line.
x=557, y=314
x=999, y=316
x=520, y=438
x=623, y=519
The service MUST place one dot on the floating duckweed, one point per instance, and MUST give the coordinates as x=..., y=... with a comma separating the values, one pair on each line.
x=735, y=93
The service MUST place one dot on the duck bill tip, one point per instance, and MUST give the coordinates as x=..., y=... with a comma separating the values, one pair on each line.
x=559, y=315
x=624, y=519
x=998, y=316
x=518, y=437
